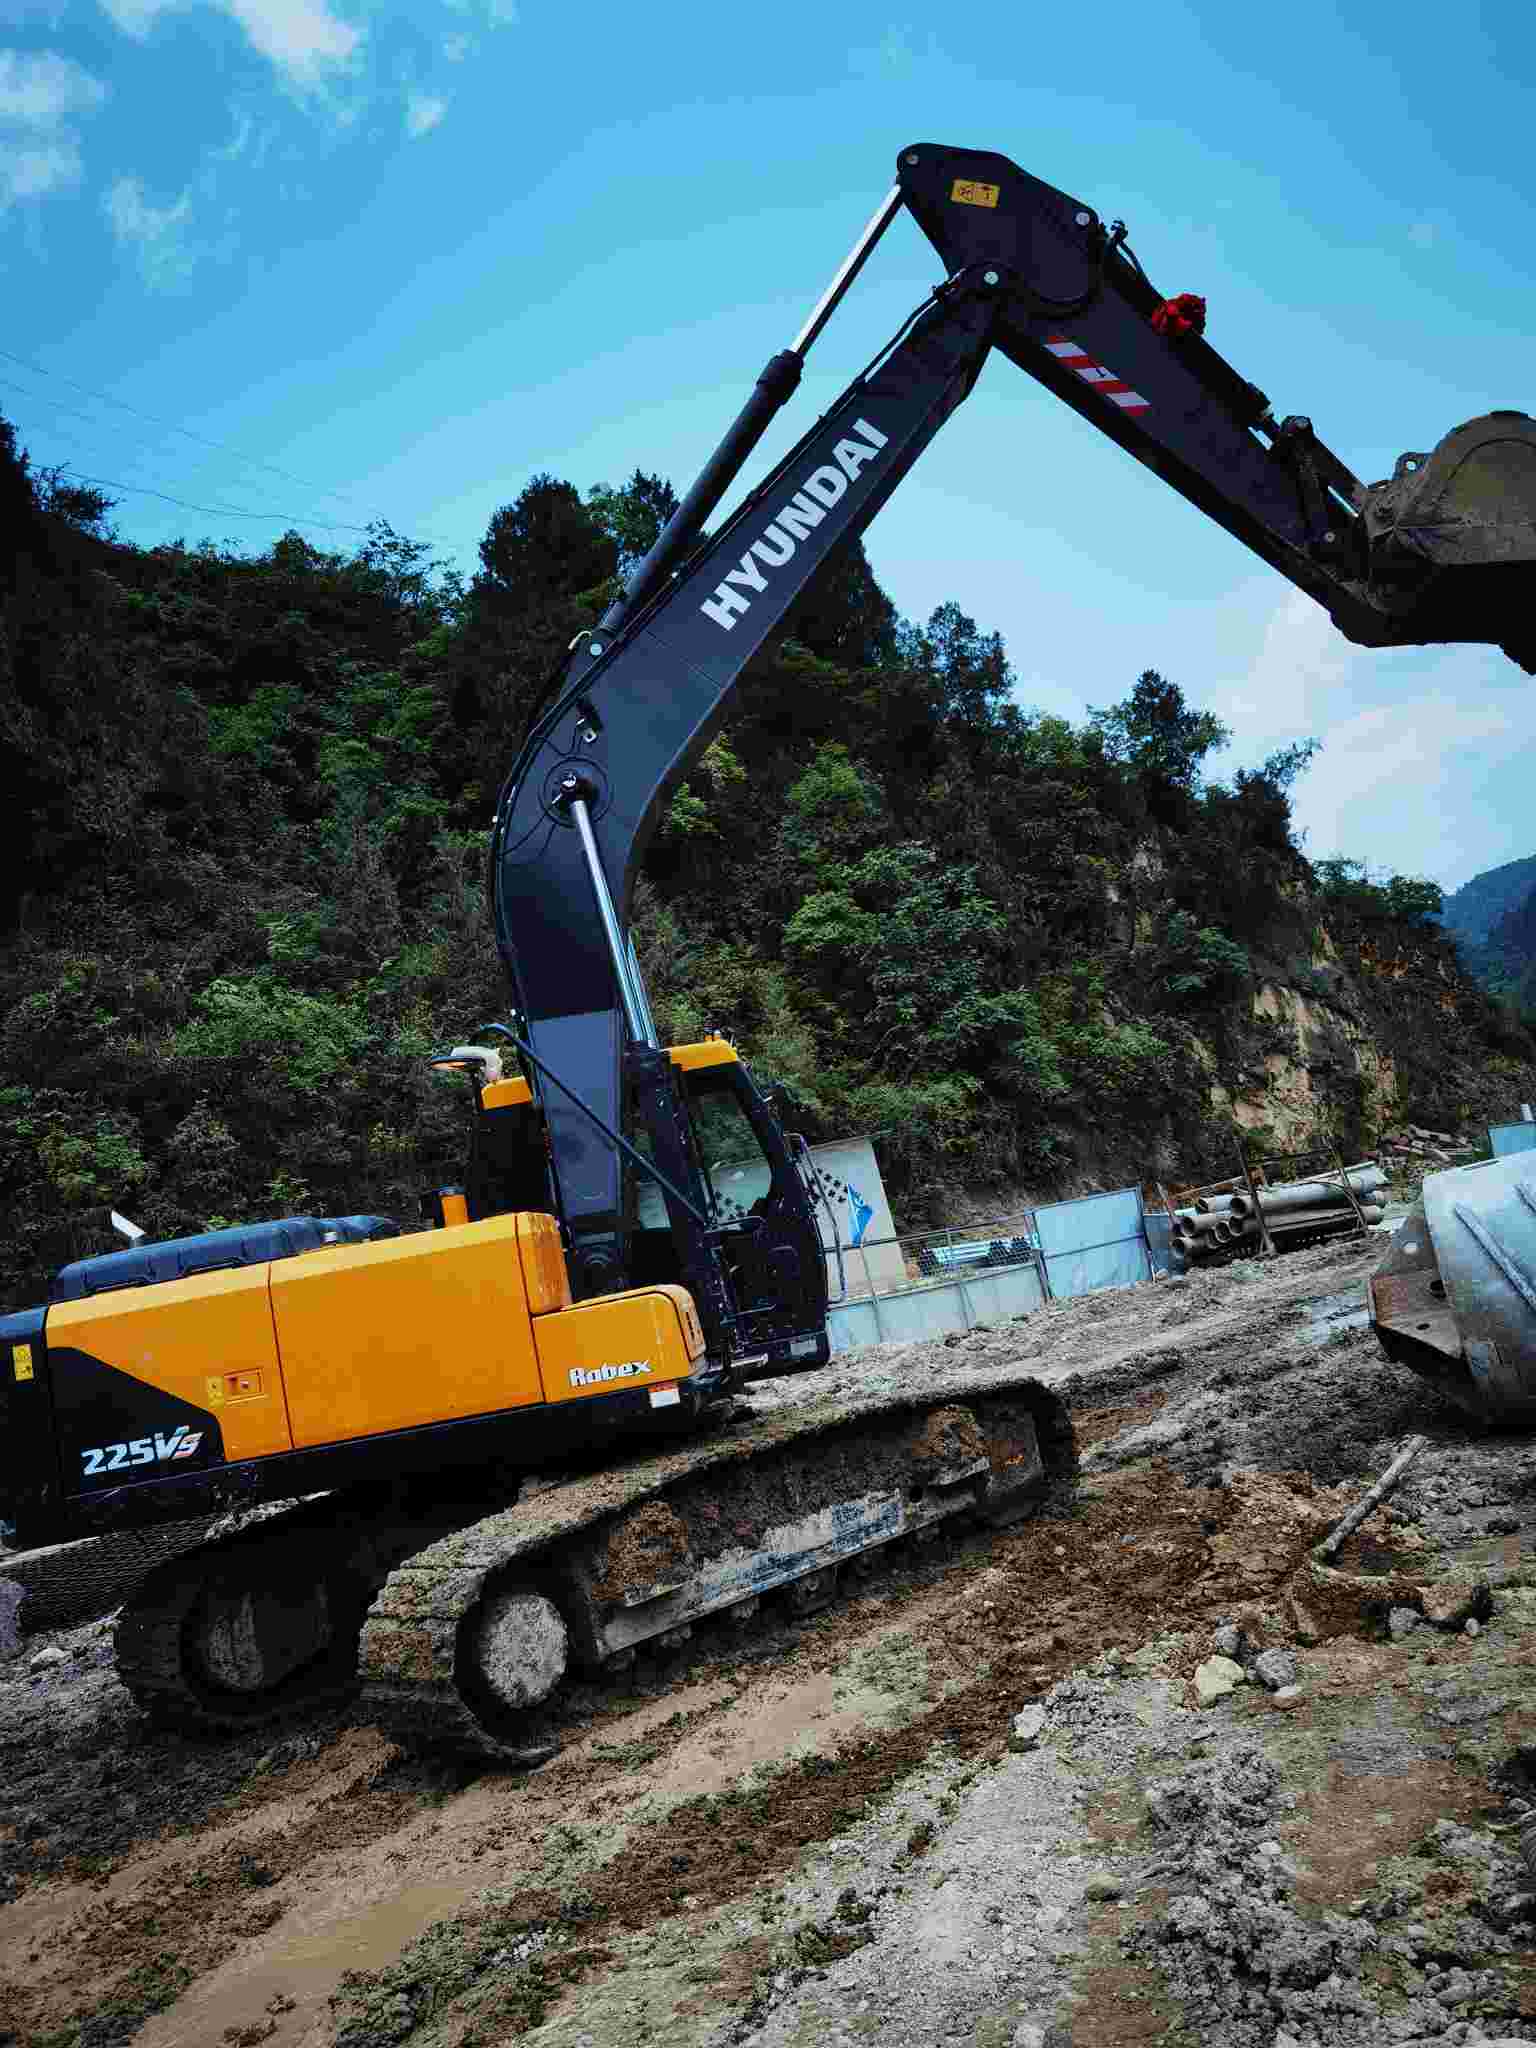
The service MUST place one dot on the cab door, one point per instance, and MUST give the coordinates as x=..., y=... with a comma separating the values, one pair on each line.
x=777, y=1273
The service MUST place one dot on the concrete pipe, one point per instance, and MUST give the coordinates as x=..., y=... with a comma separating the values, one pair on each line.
x=1313, y=1219
x=1310, y=1194
x=1204, y=1225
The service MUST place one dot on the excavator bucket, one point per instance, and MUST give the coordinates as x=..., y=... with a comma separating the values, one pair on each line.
x=1452, y=536
x=1455, y=1297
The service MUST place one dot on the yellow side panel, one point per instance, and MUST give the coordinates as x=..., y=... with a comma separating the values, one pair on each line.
x=709, y=1052
x=207, y=1338
x=543, y=1257
x=505, y=1094
x=687, y=1315
x=618, y=1341
x=410, y=1330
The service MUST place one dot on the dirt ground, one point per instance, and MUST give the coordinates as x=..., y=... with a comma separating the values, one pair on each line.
x=980, y=1800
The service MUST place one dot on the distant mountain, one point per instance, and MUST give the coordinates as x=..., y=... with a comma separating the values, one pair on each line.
x=1493, y=920
x=1471, y=913
x=1507, y=959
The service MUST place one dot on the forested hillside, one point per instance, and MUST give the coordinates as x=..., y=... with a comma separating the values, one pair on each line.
x=1493, y=919
x=254, y=791
x=1471, y=912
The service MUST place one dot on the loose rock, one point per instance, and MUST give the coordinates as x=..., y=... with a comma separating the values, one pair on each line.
x=1452, y=1605
x=1402, y=1622
x=11, y=1597
x=1028, y=1726
x=46, y=1659
x=1276, y=1669
x=1216, y=1677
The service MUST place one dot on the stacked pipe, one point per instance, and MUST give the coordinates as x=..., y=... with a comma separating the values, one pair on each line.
x=1294, y=1213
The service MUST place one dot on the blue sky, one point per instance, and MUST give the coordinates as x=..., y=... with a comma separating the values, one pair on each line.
x=413, y=256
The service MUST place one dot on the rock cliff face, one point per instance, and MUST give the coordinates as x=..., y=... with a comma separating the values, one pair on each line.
x=1385, y=1031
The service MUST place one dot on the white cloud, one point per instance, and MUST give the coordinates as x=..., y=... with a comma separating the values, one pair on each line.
x=457, y=48
x=39, y=87
x=1425, y=751
x=897, y=54
x=1385, y=780
x=239, y=142
x=156, y=235
x=40, y=93
x=494, y=13
x=423, y=111
x=136, y=17
x=29, y=170
x=302, y=38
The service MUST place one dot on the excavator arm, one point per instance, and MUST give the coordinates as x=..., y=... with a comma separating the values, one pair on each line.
x=1440, y=552
x=1444, y=550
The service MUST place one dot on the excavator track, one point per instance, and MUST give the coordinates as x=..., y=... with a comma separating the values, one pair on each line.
x=260, y=1625
x=468, y=1642
x=464, y=1615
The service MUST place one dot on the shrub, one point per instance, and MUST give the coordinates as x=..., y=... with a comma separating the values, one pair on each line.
x=316, y=1039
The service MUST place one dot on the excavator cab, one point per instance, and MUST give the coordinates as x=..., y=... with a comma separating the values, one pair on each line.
x=769, y=1247
x=756, y=1236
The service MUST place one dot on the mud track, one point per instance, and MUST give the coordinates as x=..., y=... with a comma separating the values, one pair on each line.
x=833, y=1832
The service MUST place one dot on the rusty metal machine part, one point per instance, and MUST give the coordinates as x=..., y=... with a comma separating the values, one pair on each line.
x=1455, y=1297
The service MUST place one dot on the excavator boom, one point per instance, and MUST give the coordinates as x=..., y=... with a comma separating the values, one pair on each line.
x=1444, y=551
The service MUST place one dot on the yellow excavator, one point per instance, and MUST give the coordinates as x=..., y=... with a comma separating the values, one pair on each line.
x=592, y=1301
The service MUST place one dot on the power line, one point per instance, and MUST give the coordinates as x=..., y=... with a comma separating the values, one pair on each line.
x=256, y=461
x=58, y=429
x=217, y=511
x=92, y=419
x=212, y=511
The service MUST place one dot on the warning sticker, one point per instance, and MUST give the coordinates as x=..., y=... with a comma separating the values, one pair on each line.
x=21, y=1361
x=969, y=193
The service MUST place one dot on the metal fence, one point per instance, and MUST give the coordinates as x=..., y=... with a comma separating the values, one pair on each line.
x=1095, y=1241
x=898, y=1290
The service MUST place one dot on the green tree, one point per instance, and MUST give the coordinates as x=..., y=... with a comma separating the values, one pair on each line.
x=545, y=544
x=1158, y=736
x=1406, y=899
x=833, y=812
x=633, y=516
x=843, y=615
